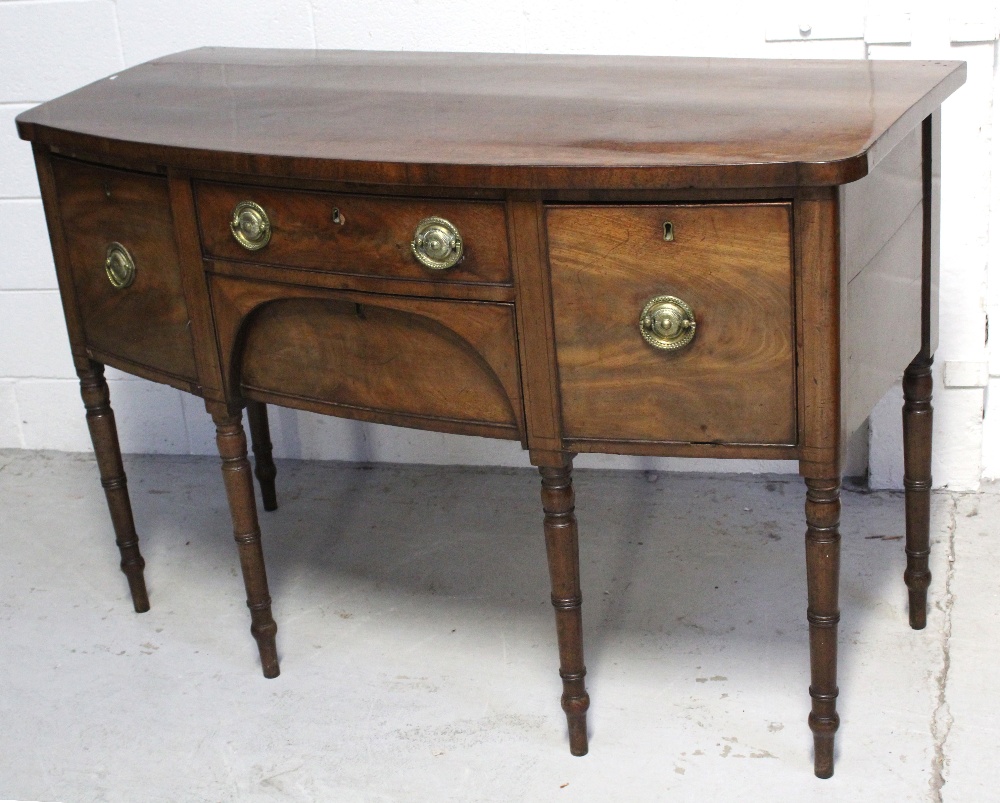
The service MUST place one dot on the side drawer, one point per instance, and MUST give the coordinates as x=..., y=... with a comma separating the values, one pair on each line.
x=355, y=234
x=449, y=366
x=144, y=323
x=734, y=383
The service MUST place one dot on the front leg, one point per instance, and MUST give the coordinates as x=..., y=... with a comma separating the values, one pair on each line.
x=562, y=548
x=823, y=581
x=104, y=434
x=232, y=442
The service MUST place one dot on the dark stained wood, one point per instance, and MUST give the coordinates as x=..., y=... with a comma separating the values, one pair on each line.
x=146, y=323
x=735, y=383
x=536, y=342
x=432, y=364
x=918, y=419
x=817, y=257
x=931, y=256
x=195, y=287
x=232, y=443
x=563, y=551
x=559, y=171
x=918, y=385
x=263, y=464
x=372, y=238
x=60, y=254
x=459, y=291
x=104, y=435
x=504, y=120
x=823, y=582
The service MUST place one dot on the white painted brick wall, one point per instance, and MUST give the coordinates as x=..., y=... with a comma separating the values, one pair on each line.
x=51, y=46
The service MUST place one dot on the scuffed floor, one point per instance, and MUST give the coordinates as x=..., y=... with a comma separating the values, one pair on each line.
x=418, y=643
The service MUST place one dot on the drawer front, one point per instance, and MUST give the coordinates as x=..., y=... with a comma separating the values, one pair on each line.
x=428, y=363
x=734, y=383
x=355, y=234
x=145, y=322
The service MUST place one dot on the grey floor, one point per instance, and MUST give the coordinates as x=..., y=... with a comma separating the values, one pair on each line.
x=418, y=645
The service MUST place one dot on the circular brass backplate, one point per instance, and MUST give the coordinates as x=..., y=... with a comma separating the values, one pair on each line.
x=250, y=225
x=667, y=323
x=437, y=243
x=119, y=266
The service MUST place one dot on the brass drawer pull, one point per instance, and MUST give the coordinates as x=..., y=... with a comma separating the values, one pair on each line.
x=119, y=266
x=667, y=323
x=250, y=226
x=437, y=244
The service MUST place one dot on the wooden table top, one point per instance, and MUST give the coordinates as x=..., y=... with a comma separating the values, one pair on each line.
x=502, y=120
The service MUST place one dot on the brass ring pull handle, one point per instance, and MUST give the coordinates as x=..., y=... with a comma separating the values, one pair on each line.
x=437, y=244
x=667, y=323
x=119, y=266
x=250, y=226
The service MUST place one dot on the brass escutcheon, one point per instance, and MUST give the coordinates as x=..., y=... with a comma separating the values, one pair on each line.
x=437, y=244
x=667, y=323
x=119, y=266
x=250, y=226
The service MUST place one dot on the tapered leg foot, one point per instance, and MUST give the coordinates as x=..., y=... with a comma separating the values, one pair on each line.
x=562, y=548
x=232, y=444
x=104, y=434
x=260, y=438
x=823, y=581
x=917, y=425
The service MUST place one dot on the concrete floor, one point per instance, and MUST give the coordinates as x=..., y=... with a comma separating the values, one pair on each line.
x=418, y=645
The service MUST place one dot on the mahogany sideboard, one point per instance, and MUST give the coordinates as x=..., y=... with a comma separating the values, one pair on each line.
x=646, y=256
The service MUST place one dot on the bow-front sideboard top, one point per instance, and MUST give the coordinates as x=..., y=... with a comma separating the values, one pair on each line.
x=648, y=256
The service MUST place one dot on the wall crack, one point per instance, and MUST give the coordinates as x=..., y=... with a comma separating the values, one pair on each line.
x=942, y=719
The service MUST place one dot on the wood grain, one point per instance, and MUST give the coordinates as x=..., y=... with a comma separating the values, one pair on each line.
x=232, y=443
x=817, y=260
x=104, y=435
x=373, y=239
x=503, y=120
x=430, y=364
x=735, y=383
x=146, y=323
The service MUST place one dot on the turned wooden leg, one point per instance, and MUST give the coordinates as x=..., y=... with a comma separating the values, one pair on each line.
x=104, y=434
x=239, y=489
x=823, y=580
x=264, y=468
x=562, y=548
x=917, y=424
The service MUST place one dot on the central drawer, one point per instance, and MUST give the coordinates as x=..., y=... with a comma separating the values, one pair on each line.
x=427, y=363
x=354, y=234
x=731, y=264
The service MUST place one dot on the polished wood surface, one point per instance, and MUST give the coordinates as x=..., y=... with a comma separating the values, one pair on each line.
x=432, y=364
x=735, y=382
x=812, y=293
x=503, y=120
x=372, y=238
x=563, y=551
x=232, y=444
x=147, y=323
x=104, y=436
x=823, y=614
